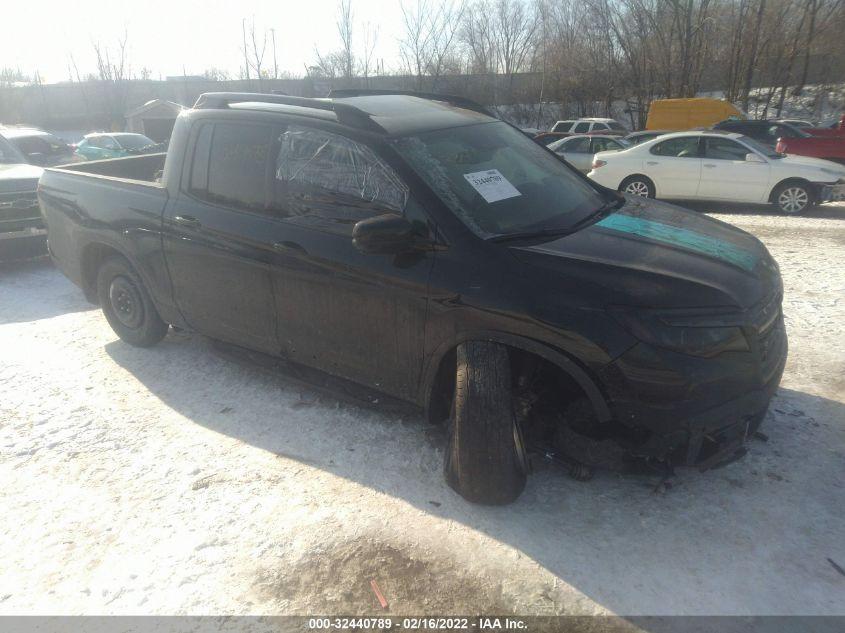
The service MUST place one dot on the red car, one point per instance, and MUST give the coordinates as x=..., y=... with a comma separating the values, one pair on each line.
x=827, y=147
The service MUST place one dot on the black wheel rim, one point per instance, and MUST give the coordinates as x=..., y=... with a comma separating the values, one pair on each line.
x=126, y=302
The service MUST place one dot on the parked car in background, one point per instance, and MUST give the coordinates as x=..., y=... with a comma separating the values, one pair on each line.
x=578, y=150
x=547, y=138
x=482, y=279
x=719, y=165
x=686, y=114
x=22, y=232
x=101, y=145
x=827, y=147
x=765, y=132
x=642, y=136
x=799, y=123
x=39, y=147
x=586, y=125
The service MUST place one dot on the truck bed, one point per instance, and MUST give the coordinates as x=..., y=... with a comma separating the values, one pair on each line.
x=117, y=204
x=145, y=168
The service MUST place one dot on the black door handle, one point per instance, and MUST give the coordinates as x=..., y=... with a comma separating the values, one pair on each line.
x=289, y=248
x=187, y=220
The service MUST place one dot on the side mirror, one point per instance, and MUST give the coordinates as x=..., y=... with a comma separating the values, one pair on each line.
x=751, y=157
x=387, y=234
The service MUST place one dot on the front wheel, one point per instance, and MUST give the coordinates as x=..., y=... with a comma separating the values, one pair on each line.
x=793, y=198
x=638, y=186
x=127, y=304
x=485, y=458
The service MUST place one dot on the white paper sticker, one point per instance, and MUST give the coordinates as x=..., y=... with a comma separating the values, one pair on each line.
x=492, y=185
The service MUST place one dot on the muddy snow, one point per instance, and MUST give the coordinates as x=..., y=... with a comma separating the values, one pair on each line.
x=176, y=480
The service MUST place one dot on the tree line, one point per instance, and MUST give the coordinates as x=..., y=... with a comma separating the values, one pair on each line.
x=586, y=54
x=589, y=52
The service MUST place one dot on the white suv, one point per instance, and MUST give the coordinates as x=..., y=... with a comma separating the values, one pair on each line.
x=586, y=125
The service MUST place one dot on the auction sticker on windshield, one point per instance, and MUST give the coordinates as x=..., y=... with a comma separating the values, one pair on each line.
x=492, y=185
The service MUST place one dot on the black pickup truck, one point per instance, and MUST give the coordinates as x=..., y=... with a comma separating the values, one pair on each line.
x=417, y=246
x=22, y=233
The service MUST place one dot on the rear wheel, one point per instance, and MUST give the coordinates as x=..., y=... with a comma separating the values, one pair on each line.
x=485, y=458
x=638, y=186
x=127, y=304
x=793, y=198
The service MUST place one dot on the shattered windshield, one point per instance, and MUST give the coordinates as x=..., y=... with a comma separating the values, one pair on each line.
x=497, y=181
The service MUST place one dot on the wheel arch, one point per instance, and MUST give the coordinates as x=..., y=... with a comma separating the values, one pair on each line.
x=637, y=175
x=91, y=258
x=437, y=378
x=811, y=188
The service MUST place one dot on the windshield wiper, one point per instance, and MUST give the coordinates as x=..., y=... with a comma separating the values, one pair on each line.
x=601, y=211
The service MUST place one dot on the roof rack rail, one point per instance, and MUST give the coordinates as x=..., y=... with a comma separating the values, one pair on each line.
x=345, y=112
x=221, y=100
x=461, y=102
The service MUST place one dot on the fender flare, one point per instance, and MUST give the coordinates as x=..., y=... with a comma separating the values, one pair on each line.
x=559, y=359
x=119, y=249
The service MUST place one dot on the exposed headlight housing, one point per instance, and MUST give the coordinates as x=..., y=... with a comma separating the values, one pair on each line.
x=694, y=332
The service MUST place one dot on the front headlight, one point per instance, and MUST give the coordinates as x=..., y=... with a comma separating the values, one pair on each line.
x=697, y=333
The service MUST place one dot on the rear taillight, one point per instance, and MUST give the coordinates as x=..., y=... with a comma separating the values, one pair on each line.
x=598, y=163
x=780, y=148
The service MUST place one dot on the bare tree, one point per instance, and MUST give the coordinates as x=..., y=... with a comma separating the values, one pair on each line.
x=255, y=47
x=114, y=72
x=344, y=30
x=431, y=27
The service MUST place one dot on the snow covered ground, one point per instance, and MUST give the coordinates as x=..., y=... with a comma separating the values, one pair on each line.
x=175, y=480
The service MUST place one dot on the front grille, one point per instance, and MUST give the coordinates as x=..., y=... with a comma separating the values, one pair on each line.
x=19, y=210
x=770, y=344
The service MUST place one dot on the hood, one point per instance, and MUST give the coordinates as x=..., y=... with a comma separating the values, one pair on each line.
x=814, y=163
x=19, y=177
x=656, y=255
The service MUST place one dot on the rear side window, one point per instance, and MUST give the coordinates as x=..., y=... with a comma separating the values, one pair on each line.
x=237, y=165
x=331, y=176
x=680, y=147
x=600, y=126
x=583, y=126
x=199, y=165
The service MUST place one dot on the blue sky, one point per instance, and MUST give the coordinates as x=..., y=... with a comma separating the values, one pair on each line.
x=169, y=35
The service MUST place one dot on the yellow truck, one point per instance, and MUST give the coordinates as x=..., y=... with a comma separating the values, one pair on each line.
x=685, y=114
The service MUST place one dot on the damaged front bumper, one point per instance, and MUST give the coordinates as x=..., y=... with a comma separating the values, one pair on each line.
x=679, y=404
x=832, y=193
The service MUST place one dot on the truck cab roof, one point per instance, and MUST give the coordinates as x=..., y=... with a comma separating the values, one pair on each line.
x=391, y=114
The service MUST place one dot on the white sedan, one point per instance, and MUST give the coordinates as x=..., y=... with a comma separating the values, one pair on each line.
x=579, y=150
x=714, y=165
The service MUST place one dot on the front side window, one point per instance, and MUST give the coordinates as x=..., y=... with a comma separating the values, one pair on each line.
x=334, y=177
x=497, y=182
x=562, y=126
x=760, y=148
x=579, y=145
x=723, y=149
x=108, y=142
x=603, y=144
x=678, y=147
